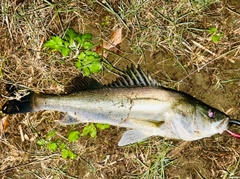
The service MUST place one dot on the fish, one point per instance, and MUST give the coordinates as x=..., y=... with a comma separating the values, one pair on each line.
x=135, y=100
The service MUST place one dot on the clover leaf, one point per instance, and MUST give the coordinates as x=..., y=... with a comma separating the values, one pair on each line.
x=89, y=62
x=67, y=153
x=71, y=35
x=215, y=35
x=73, y=136
x=52, y=146
x=102, y=126
x=41, y=142
x=212, y=30
x=89, y=129
x=57, y=43
x=81, y=38
x=87, y=45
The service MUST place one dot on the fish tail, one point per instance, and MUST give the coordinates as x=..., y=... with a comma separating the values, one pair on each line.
x=22, y=105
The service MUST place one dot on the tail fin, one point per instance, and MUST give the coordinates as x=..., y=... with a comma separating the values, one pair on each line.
x=19, y=106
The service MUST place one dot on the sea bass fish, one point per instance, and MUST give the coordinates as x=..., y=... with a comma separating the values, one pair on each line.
x=136, y=101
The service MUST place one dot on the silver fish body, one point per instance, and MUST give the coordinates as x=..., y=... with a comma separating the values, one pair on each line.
x=149, y=110
x=152, y=111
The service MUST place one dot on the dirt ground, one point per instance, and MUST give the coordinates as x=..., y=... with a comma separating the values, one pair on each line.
x=170, y=39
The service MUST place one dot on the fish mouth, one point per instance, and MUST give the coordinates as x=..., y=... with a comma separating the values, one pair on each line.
x=223, y=125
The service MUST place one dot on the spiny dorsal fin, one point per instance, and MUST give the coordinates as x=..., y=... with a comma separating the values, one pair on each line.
x=81, y=83
x=134, y=77
x=131, y=77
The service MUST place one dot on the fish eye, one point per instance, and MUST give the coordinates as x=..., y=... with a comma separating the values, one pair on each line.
x=211, y=113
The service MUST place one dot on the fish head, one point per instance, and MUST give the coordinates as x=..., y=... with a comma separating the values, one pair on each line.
x=193, y=120
x=210, y=118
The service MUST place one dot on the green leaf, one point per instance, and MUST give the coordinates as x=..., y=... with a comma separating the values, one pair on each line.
x=82, y=38
x=215, y=38
x=50, y=135
x=81, y=56
x=41, y=142
x=87, y=45
x=52, y=146
x=90, y=58
x=89, y=129
x=62, y=146
x=65, y=51
x=88, y=53
x=78, y=65
x=89, y=62
x=212, y=30
x=70, y=35
x=87, y=36
x=73, y=136
x=67, y=153
x=56, y=43
x=72, y=155
x=102, y=126
x=79, y=39
x=95, y=67
x=86, y=71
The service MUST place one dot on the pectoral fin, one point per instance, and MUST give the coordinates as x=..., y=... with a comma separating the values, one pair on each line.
x=67, y=119
x=132, y=136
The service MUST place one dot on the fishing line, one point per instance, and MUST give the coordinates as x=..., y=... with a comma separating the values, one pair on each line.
x=233, y=121
x=233, y=134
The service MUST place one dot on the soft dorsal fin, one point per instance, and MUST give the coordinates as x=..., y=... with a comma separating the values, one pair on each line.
x=81, y=83
x=134, y=77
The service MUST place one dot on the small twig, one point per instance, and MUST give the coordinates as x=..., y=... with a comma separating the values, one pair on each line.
x=199, y=174
x=202, y=47
x=9, y=28
x=228, y=8
x=21, y=133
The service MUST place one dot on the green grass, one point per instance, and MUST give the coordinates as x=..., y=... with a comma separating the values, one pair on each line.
x=158, y=163
x=151, y=158
x=233, y=171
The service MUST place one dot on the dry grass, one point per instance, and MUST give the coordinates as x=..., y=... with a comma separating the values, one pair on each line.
x=170, y=39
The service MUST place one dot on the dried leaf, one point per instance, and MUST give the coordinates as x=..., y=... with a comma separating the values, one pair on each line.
x=114, y=40
x=4, y=124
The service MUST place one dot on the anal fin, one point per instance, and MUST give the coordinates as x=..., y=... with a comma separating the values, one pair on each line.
x=133, y=136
